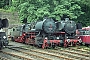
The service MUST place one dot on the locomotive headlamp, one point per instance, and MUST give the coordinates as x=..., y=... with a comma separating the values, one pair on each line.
x=29, y=28
x=46, y=38
x=68, y=40
x=4, y=37
x=78, y=37
x=24, y=34
x=57, y=37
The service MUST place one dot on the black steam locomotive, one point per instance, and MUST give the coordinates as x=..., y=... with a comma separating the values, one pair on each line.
x=52, y=33
x=46, y=29
x=3, y=38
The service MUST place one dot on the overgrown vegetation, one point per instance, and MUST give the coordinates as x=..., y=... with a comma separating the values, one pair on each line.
x=33, y=10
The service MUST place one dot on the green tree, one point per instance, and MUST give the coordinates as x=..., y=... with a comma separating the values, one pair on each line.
x=3, y=3
x=37, y=9
x=85, y=7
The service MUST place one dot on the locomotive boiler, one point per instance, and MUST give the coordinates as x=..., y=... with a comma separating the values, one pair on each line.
x=3, y=37
x=47, y=26
x=67, y=26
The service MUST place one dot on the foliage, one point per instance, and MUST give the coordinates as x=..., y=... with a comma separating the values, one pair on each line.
x=3, y=3
x=85, y=7
x=37, y=9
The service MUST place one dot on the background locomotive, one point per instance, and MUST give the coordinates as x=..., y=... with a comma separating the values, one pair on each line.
x=3, y=38
x=84, y=34
x=17, y=33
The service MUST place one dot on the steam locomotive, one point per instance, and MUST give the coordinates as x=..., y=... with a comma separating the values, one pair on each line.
x=3, y=38
x=50, y=33
x=46, y=29
x=18, y=33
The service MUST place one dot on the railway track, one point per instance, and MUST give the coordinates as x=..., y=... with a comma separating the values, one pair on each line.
x=3, y=58
x=34, y=56
x=80, y=50
x=28, y=53
x=64, y=52
x=16, y=55
x=73, y=55
x=42, y=54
